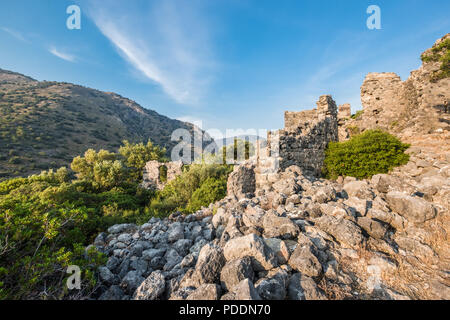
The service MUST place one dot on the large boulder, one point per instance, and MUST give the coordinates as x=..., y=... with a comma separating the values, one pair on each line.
x=113, y=293
x=374, y=228
x=359, y=189
x=276, y=226
x=302, y=287
x=273, y=286
x=253, y=217
x=131, y=281
x=304, y=260
x=209, y=263
x=235, y=271
x=220, y=218
x=414, y=209
x=241, y=182
x=106, y=276
x=263, y=258
x=324, y=194
x=280, y=248
x=152, y=288
x=245, y=290
x=344, y=231
x=175, y=232
x=207, y=291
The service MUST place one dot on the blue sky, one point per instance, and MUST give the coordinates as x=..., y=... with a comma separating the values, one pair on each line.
x=229, y=63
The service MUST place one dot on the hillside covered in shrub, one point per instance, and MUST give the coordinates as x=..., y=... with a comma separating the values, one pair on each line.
x=45, y=124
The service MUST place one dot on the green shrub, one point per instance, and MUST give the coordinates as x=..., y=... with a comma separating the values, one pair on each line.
x=15, y=160
x=163, y=174
x=365, y=155
x=210, y=191
x=357, y=114
x=47, y=220
x=137, y=155
x=353, y=130
x=439, y=53
x=178, y=193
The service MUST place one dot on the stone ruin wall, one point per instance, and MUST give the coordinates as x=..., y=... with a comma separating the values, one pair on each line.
x=151, y=176
x=302, y=142
x=381, y=94
x=409, y=109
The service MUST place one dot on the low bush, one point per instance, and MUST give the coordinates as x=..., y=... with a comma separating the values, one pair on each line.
x=439, y=53
x=365, y=155
x=210, y=191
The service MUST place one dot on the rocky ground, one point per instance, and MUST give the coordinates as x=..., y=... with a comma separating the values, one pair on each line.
x=302, y=238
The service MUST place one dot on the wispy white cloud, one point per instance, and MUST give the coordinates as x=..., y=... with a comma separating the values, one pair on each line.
x=62, y=55
x=14, y=33
x=167, y=42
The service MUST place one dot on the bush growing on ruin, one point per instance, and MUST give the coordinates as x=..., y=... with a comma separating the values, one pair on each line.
x=439, y=53
x=358, y=114
x=365, y=155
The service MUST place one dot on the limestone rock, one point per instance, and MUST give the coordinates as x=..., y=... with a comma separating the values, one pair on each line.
x=235, y=271
x=245, y=290
x=302, y=287
x=342, y=230
x=241, y=182
x=359, y=189
x=273, y=287
x=280, y=248
x=206, y=291
x=209, y=263
x=131, y=281
x=304, y=261
x=413, y=209
x=255, y=248
x=372, y=227
x=276, y=226
x=152, y=288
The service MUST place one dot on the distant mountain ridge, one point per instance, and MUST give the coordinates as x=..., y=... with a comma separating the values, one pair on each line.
x=45, y=124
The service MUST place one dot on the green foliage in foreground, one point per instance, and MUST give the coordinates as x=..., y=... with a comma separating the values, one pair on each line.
x=47, y=220
x=365, y=155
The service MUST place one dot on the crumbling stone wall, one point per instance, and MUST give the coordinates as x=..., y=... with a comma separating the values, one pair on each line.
x=152, y=175
x=345, y=111
x=302, y=142
x=381, y=99
x=409, y=109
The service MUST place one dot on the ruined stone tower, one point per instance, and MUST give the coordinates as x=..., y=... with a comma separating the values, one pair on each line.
x=302, y=142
